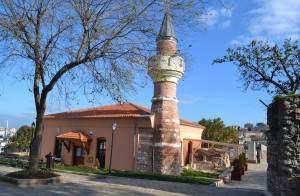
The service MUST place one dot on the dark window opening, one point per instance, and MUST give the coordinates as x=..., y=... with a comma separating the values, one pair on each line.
x=101, y=151
x=57, y=151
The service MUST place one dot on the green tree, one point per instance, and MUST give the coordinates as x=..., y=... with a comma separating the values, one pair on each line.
x=94, y=47
x=230, y=135
x=260, y=124
x=215, y=130
x=264, y=66
x=20, y=142
x=248, y=126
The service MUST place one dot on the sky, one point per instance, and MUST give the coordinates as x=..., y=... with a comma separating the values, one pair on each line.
x=206, y=90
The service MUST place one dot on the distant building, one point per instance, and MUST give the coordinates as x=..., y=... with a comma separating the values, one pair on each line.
x=256, y=133
x=2, y=145
x=5, y=134
x=9, y=133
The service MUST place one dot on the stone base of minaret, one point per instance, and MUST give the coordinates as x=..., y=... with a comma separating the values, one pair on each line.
x=167, y=160
x=167, y=144
x=157, y=159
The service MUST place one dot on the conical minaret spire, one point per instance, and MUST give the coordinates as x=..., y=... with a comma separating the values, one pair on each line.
x=166, y=39
x=167, y=30
x=165, y=69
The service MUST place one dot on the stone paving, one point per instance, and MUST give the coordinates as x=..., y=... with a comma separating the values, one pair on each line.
x=253, y=183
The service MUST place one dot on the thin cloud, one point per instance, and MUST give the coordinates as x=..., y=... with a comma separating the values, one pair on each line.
x=244, y=40
x=275, y=19
x=224, y=25
x=218, y=18
x=188, y=100
x=226, y=12
x=210, y=18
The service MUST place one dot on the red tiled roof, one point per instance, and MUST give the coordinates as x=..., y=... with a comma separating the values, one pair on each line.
x=188, y=123
x=110, y=111
x=74, y=135
x=125, y=110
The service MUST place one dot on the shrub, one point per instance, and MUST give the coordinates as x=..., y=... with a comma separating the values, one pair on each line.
x=237, y=164
x=242, y=159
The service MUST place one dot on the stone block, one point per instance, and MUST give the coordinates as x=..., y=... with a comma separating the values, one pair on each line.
x=297, y=114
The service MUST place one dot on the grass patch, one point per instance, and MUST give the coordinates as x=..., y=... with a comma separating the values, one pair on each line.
x=150, y=176
x=186, y=172
x=187, y=177
x=4, y=160
x=81, y=169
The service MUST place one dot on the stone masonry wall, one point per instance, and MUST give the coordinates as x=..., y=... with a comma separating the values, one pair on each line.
x=145, y=150
x=166, y=47
x=167, y=150
x=283, y=174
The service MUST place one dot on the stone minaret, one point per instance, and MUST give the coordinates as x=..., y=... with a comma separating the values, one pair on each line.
x=165, y=69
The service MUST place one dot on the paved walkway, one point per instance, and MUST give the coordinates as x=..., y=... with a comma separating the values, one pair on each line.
x=253, y=183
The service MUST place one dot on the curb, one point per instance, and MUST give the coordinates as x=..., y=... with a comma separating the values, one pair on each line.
x=219, y=183
x=267, y=193
x=32, y=182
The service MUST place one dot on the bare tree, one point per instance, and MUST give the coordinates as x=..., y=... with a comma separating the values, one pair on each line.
x=270, y=67
x=95, y=47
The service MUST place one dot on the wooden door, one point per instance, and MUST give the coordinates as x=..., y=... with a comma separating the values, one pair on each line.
x=101, y=151
x=78, y=158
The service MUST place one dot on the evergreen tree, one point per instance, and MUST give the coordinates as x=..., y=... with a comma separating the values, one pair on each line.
x=21, y=141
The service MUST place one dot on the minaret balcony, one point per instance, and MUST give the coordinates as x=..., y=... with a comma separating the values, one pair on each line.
x=166, y=68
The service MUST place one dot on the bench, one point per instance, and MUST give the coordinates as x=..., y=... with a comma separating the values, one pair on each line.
x=226, y=175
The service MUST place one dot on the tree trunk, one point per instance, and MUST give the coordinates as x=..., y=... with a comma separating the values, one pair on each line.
x=37, y=139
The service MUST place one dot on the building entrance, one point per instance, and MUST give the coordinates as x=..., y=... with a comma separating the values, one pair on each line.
x=101, y=151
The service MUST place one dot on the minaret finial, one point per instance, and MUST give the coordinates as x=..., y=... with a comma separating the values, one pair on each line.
x=167, y=30
x=167, y=6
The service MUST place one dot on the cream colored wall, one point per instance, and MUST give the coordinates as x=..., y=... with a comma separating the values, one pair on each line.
x=145, y=122
x=123, y=138
x=188, y=132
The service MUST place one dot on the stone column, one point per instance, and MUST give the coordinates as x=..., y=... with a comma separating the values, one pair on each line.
x=283, y=157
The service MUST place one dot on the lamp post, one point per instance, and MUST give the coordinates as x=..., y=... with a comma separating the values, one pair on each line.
x=245, y=147
x=114, y=128
x=32, y=134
